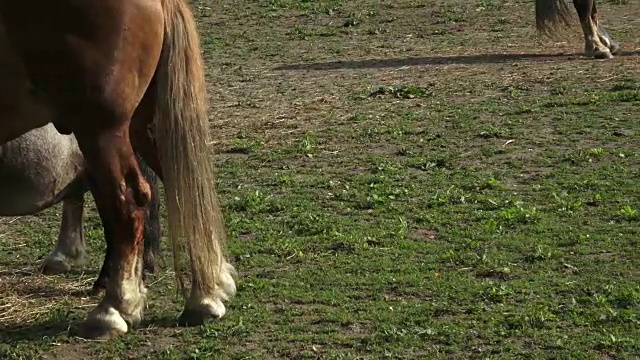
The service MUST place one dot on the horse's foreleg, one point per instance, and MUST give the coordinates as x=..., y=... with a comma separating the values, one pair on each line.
x=592, y=41
x=123, y=193
x=70, y=248
x=151, y=230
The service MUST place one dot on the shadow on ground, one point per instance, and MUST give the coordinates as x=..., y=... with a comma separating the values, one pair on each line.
x=37, y=331
x=443, y=60
x=72, y=327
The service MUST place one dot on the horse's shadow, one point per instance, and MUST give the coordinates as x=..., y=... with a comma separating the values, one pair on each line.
x=442, y=60
x=41, y=289
x=32, y=332
x=29, y=283
x=71, y=327
x=66, y=325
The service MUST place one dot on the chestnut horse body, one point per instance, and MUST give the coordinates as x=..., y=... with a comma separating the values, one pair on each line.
x=42, y=168
x=597, y=42
x=123, y=75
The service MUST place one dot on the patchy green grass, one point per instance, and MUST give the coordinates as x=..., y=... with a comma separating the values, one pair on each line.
x=394, y=187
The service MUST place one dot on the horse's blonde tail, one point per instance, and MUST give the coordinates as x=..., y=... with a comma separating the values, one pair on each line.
x=195, y=220
x=551, y=15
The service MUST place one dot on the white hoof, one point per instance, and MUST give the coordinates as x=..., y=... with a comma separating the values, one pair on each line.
x=203, y=309
x=104, y=322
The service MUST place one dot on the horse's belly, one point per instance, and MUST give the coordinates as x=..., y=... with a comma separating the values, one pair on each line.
x=36, y=169
x=21, y=109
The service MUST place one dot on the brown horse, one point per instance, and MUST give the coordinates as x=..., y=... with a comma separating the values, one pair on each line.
x=597, y=43
x=119, y=75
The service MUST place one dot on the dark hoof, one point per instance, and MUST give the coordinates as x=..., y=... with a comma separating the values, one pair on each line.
x=151, y=269
x=149, y=264
x=97, y=332
x=53, y=267
x=615, y=48
x=196, y=317
x=602, y=55
x=103, y=324
x=98, y=287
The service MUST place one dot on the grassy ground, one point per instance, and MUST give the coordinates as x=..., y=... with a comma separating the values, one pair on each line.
x=401, y=180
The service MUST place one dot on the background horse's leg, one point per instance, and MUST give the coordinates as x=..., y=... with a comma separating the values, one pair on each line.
x=592, y=41
x=551, y=14
x=613, y=46
x=70, y=248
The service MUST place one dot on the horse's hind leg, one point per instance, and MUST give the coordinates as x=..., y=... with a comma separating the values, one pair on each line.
x=603, y=35
x=151, y=230
x=592, y=41
x=124, y=193
x=70, y=248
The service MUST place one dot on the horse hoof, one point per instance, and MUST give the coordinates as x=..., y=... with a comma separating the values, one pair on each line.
x=54, y=266
x=97, y=332
x=615, y=48
x=103, y=323
x=149, y=264
x=99, y=286
x=200, y=309
x=97, y=289
x=149, y=269
x=602, y=55
x=207, y=310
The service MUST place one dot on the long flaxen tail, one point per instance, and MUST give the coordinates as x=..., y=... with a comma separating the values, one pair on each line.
x=195, y=219
x=551, y=15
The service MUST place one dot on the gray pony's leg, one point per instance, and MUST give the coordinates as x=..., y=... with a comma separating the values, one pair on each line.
x=70, y=248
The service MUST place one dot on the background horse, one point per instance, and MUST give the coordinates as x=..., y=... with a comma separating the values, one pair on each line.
x=119, y=75
x=550, y=14
x=42, y=168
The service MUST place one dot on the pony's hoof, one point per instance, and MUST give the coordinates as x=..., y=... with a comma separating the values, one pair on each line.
x=54, y=266
x=103, y=324
x=207, y=310
x=615, y=48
